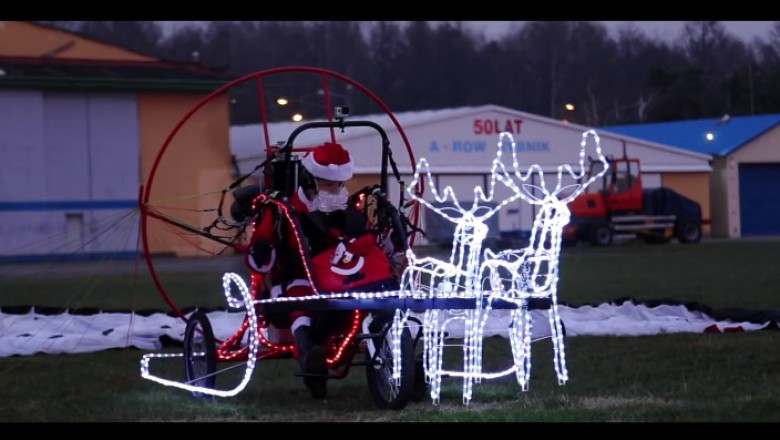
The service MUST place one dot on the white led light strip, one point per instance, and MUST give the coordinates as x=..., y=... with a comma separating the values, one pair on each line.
x=518, y=275
x=514, y=275
x=254, y=345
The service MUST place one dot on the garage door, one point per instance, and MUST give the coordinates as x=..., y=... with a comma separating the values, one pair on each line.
x=759, y=201
x=70, y=168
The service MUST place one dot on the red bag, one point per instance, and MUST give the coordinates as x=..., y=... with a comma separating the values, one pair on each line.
x=350, y=265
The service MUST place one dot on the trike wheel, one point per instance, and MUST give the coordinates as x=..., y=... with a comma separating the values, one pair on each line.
x=420, y=389
x=200, y=354
x=379, y=372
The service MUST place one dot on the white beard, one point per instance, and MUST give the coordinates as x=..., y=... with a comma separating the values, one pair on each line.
x=328, y=202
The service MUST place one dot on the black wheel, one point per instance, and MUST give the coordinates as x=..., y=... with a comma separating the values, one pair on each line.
x=688, y=231
x=200, y=352
x=601, y=235
x=379, y=372
x=420, y=389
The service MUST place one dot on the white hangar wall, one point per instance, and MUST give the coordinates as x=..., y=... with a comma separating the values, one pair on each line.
x=460, y=145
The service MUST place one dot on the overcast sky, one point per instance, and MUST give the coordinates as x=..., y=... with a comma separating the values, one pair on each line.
x=661, y=30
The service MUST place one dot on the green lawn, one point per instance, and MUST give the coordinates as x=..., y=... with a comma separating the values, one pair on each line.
x=671, y=377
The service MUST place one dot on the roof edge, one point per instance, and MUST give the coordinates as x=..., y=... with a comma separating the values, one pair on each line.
x=98, y=62
x=669, y=148
x=111, y=83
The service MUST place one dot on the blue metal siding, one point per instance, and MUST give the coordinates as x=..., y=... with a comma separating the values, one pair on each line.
x=65, y=168
x=22, y=152
x=115, y=161
x=114, y=146
x=68, y=154
x=21, y=146
x=759, y=202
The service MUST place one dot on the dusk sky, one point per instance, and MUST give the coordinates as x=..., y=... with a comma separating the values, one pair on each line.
x=667, y=30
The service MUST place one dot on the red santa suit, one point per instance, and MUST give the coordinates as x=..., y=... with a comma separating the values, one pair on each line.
x=343, y=256
x=291, y=270
x=339, y=256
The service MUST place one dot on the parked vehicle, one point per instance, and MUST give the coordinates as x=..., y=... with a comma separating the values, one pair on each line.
x=622, y=207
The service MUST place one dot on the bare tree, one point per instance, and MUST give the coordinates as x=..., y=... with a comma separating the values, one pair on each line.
x=716, y=60
x=386, y=47
x=640, y=62
x=186, y=44
x=537, y=67
x=140, y=36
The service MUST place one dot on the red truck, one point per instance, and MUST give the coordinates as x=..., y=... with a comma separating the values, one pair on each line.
x=621, y=207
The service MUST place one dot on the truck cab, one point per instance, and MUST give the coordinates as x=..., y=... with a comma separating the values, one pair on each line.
x=620, y=191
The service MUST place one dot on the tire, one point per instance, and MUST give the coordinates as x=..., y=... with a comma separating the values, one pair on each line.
x=420, y=389
x=688, y=231
x=379, y=372
x=601, y=235
x=200, y=353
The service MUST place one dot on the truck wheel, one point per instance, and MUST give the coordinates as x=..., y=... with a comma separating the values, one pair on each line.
x=601, y=235
x=688, y=231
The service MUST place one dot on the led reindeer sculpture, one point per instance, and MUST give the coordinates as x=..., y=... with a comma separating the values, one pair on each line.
x=457, y=278
x=532, y=273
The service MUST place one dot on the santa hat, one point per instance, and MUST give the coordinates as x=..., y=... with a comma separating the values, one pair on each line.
x=329, y=161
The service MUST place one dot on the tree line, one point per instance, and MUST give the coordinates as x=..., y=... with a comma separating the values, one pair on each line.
x=536, y=67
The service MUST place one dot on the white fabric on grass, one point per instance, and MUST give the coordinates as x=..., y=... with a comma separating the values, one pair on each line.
x=33, y=333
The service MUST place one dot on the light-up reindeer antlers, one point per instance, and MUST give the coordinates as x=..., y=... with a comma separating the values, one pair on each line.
x=571, y=191
x=581, y=174
x=448, y=193
x=479, y=212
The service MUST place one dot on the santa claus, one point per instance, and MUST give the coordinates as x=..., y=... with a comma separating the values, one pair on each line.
x=342, y=254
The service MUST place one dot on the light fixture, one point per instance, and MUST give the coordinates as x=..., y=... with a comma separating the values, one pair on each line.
x=282, y=101
x=570, y=107
x=297, y=117
x=710, y=136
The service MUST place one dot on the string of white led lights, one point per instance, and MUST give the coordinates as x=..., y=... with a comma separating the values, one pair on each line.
x=254, y=344
x=515, y=275
x=522, y=274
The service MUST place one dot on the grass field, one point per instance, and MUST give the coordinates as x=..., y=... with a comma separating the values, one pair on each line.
x=672, y=377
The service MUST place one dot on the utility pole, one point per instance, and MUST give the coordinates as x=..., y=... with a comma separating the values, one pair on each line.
x=553, y=91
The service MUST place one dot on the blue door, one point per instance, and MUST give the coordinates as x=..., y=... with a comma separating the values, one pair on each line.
x=759, y=200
